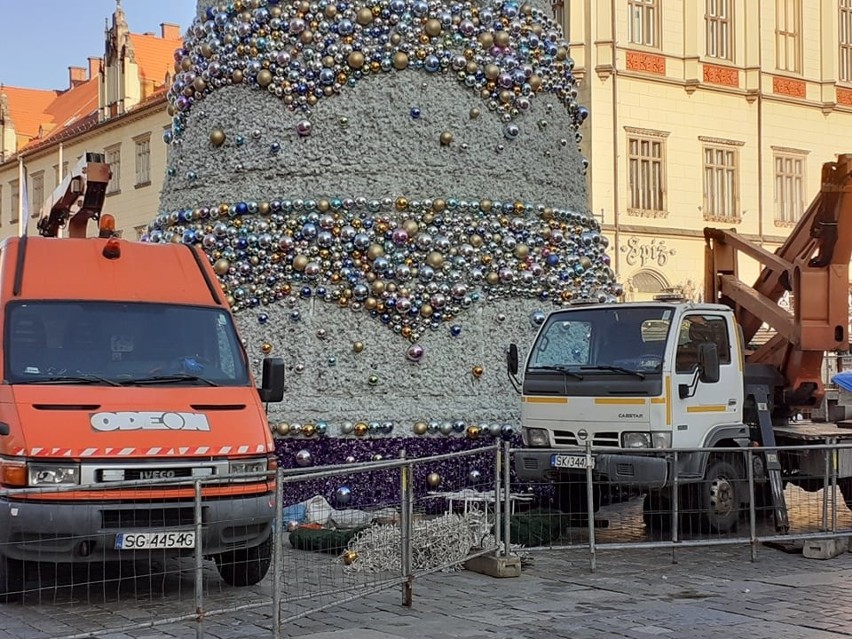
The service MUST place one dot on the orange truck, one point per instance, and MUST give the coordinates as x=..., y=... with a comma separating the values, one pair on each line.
x=124, y=379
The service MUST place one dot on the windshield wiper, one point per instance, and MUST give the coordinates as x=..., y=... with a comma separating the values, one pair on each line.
x=84, y=378
x=614, y=369
x=559, y=369
x=167, y=379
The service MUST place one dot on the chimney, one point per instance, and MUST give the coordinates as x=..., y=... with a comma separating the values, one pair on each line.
x=169, y=31
x=94, y=66
x=76, y=76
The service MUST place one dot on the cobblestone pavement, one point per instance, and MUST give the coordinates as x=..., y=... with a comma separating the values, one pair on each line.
x=711, y=592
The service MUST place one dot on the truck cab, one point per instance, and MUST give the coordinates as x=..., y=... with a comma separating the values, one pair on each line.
x=121, y=364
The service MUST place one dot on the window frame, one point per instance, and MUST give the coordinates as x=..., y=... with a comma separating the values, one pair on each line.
x=844, y=41
x=643, y=23
x=785, y=182
x=719, y=29
x=788, y=38
x=114, y=162
x=14, y=199
x=642, y=199
x=38, y=193
x=143, y=159
x=731, y=182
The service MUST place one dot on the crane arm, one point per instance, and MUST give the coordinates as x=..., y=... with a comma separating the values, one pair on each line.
x=78, y=198
x=813, y=266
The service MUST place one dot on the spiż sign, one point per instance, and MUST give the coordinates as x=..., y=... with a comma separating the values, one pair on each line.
x=133, y=420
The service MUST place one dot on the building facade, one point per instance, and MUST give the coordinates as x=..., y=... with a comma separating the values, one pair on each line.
x=706, y=113
x=116, y=106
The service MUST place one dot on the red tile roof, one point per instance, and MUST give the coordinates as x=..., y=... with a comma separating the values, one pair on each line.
x=155, y=56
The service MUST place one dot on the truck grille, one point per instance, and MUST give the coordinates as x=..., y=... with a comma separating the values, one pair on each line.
x=150, y=517
x=569, y=438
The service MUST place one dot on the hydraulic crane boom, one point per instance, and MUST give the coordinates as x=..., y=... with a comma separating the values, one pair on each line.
x=78, y=199
x=813, y=266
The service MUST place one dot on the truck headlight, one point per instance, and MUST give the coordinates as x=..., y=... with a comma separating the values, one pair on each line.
x=536, y=438
x=248, y=466
x=661, y=439
x=636, y=440
x=53, y=474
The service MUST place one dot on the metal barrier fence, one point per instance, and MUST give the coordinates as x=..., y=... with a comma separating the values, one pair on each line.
x=365, y=528
x=730, y=504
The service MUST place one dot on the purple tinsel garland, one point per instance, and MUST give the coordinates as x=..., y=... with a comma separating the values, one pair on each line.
x=382, y=488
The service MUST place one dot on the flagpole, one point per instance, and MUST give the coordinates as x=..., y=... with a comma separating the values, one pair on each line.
x=22, y=197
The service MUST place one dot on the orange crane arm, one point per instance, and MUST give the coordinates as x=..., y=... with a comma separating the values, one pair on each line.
x=78, y=198
x=813, y=266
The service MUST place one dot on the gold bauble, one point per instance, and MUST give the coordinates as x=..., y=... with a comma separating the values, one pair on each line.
x=411, y=227
x=521, y=251
x=217, y=137
x=420, y=428
x=199, y=84
x=432, y=27
x=364, y=16
x=378, y=287
x=492, y=278
x=474, y=113
x=502, y=38
x=473, y=432
x=534, y=82
x=330, y=10
x=492, y=71
x=358, y=347
x=356, y=59
x=300, y=262
x=349, y=557
x=433, y=479
x=446, y=138
x=283, y=428
x=401, y=203
x=486, y=40
x=237, y=76
x=374, y=251
x=439, y=205
x=435, y=259
x=264, y=77
x=477, y=371
x=400, y=61
x=426, y=310
x=221, y=266
x=309, y=430
x=264, y=208
x=360, y=429
x=266, y=347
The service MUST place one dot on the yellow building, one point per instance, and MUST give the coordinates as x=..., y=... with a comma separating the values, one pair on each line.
x=706, y=113
x=116, y=106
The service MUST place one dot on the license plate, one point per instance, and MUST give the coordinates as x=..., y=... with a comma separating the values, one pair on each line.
x=572, y=461
x=155, y=540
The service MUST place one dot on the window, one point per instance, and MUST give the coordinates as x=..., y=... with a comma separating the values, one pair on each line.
x=788, y=35
x=113, y=158
x=15, y=197
x=721, y=183
x=718, y=21
x=643, y=23
x=557, y=7
x=789, y=187
x=646, y=168
x=844, y=22
x=696, y=330
x=143, y=160
x=38, y=193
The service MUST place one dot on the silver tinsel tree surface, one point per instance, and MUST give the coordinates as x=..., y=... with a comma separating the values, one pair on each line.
x=390, y=192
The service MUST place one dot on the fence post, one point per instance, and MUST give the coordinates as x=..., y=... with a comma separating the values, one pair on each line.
x=498, y=494
x=826, y=487
x=752, y=515
x=277, y=553
x=834, y=469
x=507, y=503
x=590, y=507
x=675, y=506
x=405, y=528
x=199, y=564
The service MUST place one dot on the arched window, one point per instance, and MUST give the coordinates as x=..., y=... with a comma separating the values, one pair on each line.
x=645, y=284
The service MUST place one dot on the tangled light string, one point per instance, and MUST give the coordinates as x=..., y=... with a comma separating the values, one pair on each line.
x=410, y=264
x=441, y=542
x=505, y=51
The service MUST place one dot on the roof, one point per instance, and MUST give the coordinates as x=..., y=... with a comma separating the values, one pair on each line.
x=155, y=56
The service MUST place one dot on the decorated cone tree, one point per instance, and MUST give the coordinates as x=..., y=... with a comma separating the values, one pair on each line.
x=390, y=192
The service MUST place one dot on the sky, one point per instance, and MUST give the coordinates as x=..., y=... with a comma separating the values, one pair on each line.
x=40, y=39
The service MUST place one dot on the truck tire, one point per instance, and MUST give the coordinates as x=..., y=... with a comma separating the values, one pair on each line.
x=246, y=566
x=11, y=579
x=717, y=498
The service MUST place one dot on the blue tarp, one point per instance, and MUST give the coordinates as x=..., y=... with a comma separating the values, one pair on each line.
x=844, y=380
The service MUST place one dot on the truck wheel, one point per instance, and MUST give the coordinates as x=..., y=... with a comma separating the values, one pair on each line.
x=11, y=579
x=247, y=566
x=718, y=496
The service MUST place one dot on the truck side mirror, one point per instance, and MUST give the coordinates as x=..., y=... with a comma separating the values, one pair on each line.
x=708, y=363
x=272, y=383
x=512, y=359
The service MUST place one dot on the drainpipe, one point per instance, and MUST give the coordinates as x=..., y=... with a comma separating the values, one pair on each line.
x=615, y=145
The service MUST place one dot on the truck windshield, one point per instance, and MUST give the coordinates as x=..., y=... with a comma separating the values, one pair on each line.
x=612, y=340
x=119, y=343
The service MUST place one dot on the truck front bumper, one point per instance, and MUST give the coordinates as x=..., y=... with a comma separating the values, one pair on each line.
x=86, y=532
x=631, y=470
